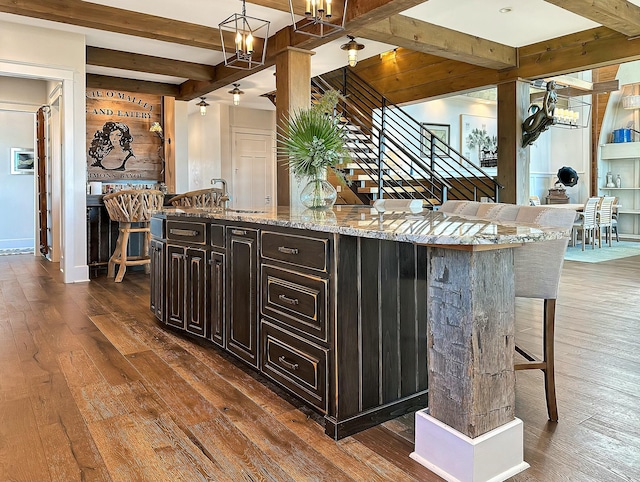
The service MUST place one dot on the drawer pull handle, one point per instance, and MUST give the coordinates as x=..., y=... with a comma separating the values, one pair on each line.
x=184, y=232
x=288, y=364
x=285, y=250
x=291, y=301
x=239, y=232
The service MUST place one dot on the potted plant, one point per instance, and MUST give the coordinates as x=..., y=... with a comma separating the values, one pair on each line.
x=314, y=141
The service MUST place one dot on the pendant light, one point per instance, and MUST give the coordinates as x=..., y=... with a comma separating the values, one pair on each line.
x=249, y=36
x=236, y=92
x=320, y=20
x=352, y=48
x=203, y=106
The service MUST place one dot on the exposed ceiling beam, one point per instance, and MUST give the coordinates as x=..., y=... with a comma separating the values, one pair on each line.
x=619, y=15
x=433, y=39
x=597, y=88
x=92, y=15
x=146, y=63
x=130, y=85
x=359, y=13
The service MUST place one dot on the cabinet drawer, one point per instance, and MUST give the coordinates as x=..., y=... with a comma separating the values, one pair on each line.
x=157, y=228
x=188, y=232
x=296, y=250
x=296, y=364
x=298, y=300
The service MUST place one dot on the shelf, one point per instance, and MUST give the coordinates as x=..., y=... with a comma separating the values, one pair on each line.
x=628, y=211
x=621, y=150
x=619, y=188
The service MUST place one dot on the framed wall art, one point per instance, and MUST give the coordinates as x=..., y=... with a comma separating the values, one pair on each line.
x=442, y=134
x=22, y=160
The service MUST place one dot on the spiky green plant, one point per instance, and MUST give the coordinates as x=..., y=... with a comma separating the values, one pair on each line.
x=313, y=140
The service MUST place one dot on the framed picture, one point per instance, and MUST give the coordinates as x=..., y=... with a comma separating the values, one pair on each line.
x=21, y=160
x=479, y=139
x=441, y=132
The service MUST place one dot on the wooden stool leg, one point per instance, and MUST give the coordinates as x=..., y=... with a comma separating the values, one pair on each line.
x=115, y=257
x=124, y=233
x=145, y=249
x=549, y=374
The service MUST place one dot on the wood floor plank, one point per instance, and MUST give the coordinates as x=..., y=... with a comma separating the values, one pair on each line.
x=21, y=453
x=111, y=363
x=121, y=335
x=13, y=384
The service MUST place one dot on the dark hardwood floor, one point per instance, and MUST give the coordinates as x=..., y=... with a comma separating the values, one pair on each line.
x=92, y=388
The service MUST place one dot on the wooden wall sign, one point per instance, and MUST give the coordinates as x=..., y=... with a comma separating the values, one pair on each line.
x=119, y=144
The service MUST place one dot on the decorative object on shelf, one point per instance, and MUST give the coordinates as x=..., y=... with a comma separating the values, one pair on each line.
x=313, y=141
x=567, y=176
x=203, y=106
x=631, y=102
x=236, y=92
x=618, y=181
x=541, y=117
x=623, y=135
x=352, y=48
x=250, y=36
x=610, y=182
x=319, y=18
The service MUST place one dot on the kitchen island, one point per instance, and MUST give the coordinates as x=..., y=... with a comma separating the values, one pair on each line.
x=341, y=307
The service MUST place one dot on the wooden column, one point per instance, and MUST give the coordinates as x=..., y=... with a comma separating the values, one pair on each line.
x=470, y=338
x=293, y=92
x=513, y=160
x=169, y=151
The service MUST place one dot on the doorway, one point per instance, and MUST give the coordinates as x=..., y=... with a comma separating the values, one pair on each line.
x=253, y=168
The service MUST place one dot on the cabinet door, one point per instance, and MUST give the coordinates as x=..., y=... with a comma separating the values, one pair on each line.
x=196, y=292
x=217, y=297
x=242, y=324
x=175, y=267
x=156, y=298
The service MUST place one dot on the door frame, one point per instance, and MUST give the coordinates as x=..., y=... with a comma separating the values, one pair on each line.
x=263, y=132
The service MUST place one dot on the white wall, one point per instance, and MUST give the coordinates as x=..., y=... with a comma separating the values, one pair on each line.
x=47, y=54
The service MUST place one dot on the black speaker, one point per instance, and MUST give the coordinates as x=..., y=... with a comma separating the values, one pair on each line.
x=567, y=176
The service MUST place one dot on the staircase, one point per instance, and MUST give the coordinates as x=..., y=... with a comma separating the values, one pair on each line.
x=392, y=156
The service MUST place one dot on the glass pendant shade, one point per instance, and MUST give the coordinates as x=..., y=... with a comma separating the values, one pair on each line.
x=248, y=35
x=236, y=92
x=319, y=17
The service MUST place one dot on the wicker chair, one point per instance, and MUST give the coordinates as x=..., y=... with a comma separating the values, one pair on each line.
x=203, y=198
x=127, y=207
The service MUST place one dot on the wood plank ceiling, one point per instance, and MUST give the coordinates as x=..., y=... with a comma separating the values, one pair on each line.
x=431, y=61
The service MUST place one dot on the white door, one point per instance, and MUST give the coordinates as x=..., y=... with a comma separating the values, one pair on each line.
x=253, y=165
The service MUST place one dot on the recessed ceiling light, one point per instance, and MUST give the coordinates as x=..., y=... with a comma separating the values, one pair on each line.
x=505, y=10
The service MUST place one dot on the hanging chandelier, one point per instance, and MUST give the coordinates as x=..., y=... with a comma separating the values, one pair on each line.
x=249, y=38
x=320, y=19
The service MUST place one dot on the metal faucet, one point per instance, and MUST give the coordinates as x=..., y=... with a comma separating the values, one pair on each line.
x=225, y=196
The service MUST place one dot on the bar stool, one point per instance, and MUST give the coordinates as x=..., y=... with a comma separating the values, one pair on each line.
x=202, y=198
x=127, y=207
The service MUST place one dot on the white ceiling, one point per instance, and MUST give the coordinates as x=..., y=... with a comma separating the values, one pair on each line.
x=529, y=21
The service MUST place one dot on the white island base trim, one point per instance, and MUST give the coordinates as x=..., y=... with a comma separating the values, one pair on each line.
x=491, y=457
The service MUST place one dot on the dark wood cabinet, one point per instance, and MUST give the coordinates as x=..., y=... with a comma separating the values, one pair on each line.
x=196, y=291
x=217, y=300
x=242, y=298
x=175, y=272
x=156, y=295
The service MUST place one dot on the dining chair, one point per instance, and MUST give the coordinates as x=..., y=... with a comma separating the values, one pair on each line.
x=202, y=198
x=605, y=219
x=614, y=218
x=128, y=207
x=587, y=223
x=534, y=201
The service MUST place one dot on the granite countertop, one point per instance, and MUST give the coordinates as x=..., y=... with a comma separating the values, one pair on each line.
x=426, y=227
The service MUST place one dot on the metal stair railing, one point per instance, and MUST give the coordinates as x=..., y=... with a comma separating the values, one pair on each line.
x=400, y=142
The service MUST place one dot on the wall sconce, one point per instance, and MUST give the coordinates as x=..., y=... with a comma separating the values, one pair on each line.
x=248, y=33
x=157, y=129
x=236, y=92
x=203, y=106
x=317, y=18
x=352, y=48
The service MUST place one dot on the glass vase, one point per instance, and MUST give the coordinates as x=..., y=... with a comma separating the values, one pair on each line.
x=319, y=193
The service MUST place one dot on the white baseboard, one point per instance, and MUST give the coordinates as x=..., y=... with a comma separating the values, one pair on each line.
x=491, y=457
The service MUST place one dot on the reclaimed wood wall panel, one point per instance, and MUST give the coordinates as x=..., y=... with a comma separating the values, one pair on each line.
x=119, y=144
